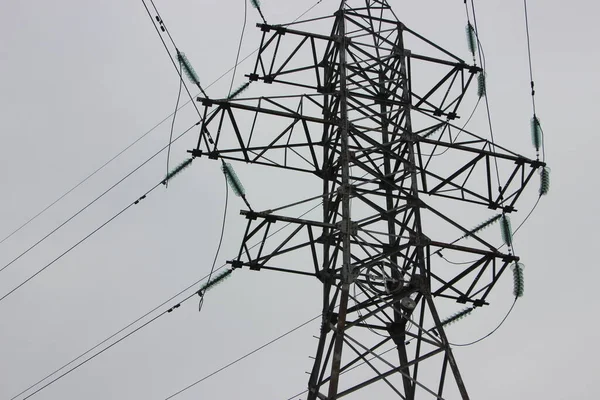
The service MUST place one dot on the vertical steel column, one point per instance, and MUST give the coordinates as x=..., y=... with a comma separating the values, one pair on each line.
x=345, y=228
x=399, y=319
x=419, y=237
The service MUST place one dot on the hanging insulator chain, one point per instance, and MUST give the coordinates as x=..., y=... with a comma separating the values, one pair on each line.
x=536, y=133
x=481, y=85
x=471, y=39
x=234, y=182
x=519, y=279
x=506, y=230
x=544, y=181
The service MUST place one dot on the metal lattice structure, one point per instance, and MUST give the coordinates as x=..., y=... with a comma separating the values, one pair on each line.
x=367, y=127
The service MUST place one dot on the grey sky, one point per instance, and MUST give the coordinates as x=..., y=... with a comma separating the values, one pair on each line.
x=79, y=80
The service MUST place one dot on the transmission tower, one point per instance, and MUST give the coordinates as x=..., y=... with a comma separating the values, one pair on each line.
x=358, y=116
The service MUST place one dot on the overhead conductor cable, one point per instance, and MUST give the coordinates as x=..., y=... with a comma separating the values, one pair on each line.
x=174, y=118
x=170, y=176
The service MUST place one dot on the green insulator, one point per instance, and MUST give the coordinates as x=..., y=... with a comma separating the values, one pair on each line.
x=177, y=170
x=238, y=91
x=255, y=3
x=433, y=130
x=506, y=230
x=188, y=69
x=219, y=278
x=456, y=316
x=483, y=225
x=544, y=181
x=481, y=86
x=233, y=180
x=536, y=133
x=471, y=38
x=519, y=279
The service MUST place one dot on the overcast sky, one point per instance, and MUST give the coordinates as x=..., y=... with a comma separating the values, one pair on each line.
x=80, y=80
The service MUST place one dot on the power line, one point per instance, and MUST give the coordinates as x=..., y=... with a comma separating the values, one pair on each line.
x=108, y=162
x=174, y=117
x=163, y=27
x=115, y=334
x=244, y=356
x=142, y=317
x=93, y=201
x=102, y=195
x=240, y=44
x=212, y=268
x=125, y=149
x=95, y=230
x=80, y=241
x=487, y=103
x=85, y=179
x=532, y=83
x=138, y=319
x=119, y=153
x=111, y=345
x=112, y=187
x=307, y=11
x=529, y=54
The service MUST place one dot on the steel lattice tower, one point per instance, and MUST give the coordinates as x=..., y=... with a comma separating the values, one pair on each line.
x=363, y=124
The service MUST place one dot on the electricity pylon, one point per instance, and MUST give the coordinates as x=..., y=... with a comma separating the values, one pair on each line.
x=360, y=119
